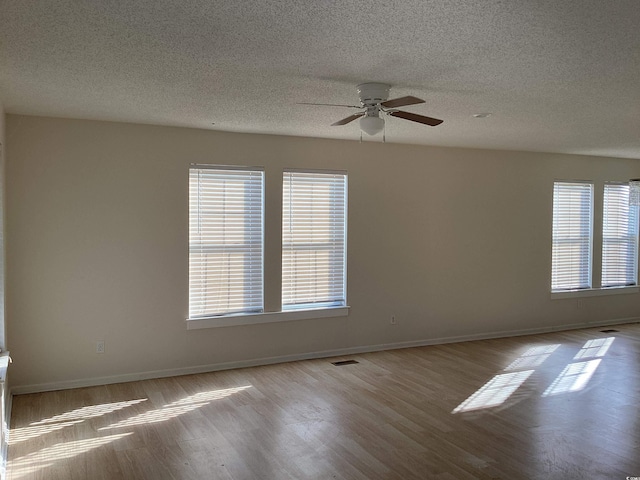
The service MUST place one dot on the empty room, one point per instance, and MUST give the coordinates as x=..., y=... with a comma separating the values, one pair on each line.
x=319, y=240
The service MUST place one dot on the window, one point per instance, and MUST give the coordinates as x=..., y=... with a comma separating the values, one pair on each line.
x=313, y=239
x=619, y=237
x=227, y=255
x=572, y=235
x=225, y=241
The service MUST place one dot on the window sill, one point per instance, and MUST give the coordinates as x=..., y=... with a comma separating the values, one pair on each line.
x=266, y=317
x=595, y=292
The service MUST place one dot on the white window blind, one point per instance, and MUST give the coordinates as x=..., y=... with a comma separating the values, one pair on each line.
x=572, y=235
x=225, y=241
x=313, y=239
x=619, y=237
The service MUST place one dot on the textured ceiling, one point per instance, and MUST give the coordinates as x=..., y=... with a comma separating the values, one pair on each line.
x=557, y=76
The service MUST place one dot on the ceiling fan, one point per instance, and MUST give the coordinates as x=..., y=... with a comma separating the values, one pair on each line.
x=373, y=102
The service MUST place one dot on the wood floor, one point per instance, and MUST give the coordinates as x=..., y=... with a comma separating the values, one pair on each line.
x=553, y=406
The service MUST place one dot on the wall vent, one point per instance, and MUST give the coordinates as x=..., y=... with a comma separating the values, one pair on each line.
x=344, y=362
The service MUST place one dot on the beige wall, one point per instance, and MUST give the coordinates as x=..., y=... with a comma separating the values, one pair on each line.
x=4, y=405
x=2, y=235
x=452, y=242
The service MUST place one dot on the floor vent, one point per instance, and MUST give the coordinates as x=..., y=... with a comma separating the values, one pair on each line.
x=344, y=362
x=610, y=330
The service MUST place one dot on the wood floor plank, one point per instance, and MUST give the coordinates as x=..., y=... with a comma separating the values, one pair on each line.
x=552, y=406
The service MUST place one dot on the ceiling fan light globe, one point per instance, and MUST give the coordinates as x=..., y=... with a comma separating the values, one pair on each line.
x=371, y=125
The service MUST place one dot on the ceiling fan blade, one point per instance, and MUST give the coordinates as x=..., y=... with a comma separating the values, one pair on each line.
x=401, y=102
x=349, y=119
x=329, y=104
x=414, y=117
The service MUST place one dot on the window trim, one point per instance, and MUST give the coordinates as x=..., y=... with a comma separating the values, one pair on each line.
x=238, y=168
x=328, y=303
x=631, y=221
x=591, y=221
x=266, y=317
x=255, y=318
x=593, y=291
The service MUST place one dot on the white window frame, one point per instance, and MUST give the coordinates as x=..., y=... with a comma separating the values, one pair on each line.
x=568, y=230
x=599, y=289
x=314, y=239
x=241, y=291
x=258, y=317
x=619, y=237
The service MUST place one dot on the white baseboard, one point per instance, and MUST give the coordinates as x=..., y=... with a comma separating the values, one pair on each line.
x=132, y=377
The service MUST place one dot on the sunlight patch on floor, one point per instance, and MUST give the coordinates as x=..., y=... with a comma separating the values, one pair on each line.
x=495, y=392
x=573, y=378
x=18, y=435
x=598, y=347
x=67, y=419
x=33, y=462
x=576, y=376
x=533, y=357
x=176, y=408
x=90, y=411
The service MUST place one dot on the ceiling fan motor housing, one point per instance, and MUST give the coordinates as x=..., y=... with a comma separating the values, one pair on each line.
x=373, y=93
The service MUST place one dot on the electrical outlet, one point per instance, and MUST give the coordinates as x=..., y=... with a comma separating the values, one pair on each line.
x=100, y=346
x=393, y=320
